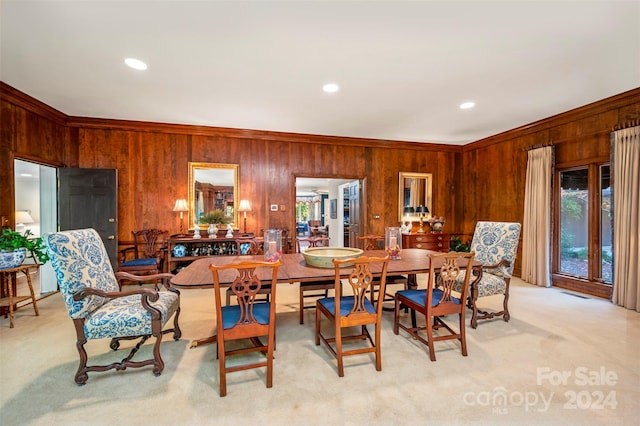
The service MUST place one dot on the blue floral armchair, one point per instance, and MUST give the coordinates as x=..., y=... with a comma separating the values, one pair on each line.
x=98, y=306
x=495, y=245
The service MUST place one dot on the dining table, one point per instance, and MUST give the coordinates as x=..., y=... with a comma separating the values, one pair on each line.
x=294, y=268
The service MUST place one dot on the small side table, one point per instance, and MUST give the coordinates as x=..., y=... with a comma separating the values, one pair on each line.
x=11, y=300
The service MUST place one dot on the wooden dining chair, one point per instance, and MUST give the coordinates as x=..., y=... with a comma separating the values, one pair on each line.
x=313, y=289
x=376, y=242
x=147, y=254
x=348, y=309
x=249, y=247
x=437, y=301
x=250, y=320
x=313, y=242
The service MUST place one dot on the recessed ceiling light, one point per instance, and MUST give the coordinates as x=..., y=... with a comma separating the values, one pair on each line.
x=467, y=105
x=136, y=64
x=330, y=87
x=26, y=175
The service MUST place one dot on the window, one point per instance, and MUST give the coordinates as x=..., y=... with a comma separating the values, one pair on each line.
x=574, y=224
x=582, y=235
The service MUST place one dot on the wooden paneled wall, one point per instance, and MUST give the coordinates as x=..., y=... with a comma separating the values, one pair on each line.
x=152, y=166
x=481, y=181
x=32, y=131
x=495, y=168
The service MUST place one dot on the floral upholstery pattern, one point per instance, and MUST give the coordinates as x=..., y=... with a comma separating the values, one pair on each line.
x=492, y=242
x=80, y=260
x=125, y=316
x=495, y=241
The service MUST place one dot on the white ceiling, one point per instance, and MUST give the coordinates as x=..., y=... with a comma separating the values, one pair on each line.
x=403, y=66
x=310, y=187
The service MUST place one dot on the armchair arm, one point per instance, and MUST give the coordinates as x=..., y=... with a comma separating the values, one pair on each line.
x=165, y=277
x=501, y=266
x=147, y=295
x=88, y=291
x=123, y=253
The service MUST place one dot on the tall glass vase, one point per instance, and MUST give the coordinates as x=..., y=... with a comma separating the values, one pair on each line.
x=393, y=242
x=272, y=245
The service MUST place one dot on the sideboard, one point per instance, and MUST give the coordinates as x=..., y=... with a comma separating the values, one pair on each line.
x=197, y=248
x=427, y=241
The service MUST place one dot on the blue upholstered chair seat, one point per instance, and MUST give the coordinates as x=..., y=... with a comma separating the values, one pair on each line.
x=346, y=304
x=231, y=314
x=419, y=297
x=150, y=261
x=126, y=316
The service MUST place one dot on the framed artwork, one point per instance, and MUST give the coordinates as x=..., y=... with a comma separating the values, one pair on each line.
x=333, y=208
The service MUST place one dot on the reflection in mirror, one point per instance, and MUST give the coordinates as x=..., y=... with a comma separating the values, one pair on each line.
x=213, y=186
x=414, y=190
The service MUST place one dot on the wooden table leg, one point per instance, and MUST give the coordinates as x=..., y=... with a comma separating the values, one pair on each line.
x=33, y=296
x=412, y=282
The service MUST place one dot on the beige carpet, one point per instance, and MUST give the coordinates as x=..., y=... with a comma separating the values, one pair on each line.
x=562, y=359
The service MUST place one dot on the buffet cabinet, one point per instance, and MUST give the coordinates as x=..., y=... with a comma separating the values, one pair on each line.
x=184, y=250
x=427, y=241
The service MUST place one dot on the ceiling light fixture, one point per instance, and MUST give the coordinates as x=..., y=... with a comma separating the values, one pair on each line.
x=136, y=64
x=467, y=105
x=330, y=87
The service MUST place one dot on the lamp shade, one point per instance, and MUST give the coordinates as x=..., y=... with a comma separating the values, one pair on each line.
x=23, y=217
x=408, y=210
x=181, y=205
x=422, y=209
x=244, y=206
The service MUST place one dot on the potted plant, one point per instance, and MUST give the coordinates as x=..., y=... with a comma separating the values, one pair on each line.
x=215, y=217
x=458, y=245
x=14, y=247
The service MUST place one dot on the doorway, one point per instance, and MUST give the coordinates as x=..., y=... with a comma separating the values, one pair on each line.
x=35, y=199
x=327, y=201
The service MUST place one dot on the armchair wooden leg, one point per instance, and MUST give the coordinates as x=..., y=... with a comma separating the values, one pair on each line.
x=471, y=303
x=158, y=363
x=506, y=315
x=81, y=375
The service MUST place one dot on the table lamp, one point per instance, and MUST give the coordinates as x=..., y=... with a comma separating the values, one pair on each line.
x=22, y=218
x=181, y=206
x=244, y=207
x=421, y=211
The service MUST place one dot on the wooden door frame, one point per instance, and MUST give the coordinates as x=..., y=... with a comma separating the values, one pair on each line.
x=292, y=214
x=590, y=285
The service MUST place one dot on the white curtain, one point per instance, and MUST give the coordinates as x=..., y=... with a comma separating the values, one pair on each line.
x=625, y=152
x=536, y=236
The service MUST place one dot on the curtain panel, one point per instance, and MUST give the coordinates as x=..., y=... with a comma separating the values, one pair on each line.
x=536, y=236
x=625, y=161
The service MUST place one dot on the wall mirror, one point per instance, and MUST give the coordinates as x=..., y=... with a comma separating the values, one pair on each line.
x=213, y=186
x=414, y=190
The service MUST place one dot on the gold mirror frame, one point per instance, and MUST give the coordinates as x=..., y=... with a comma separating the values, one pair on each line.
x=209, y=187
x=414, y=189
